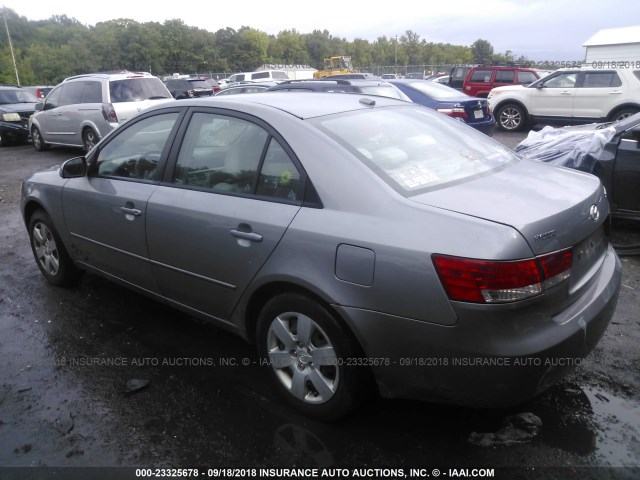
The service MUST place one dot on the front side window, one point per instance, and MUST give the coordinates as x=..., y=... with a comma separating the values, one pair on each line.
x=505, y=76
x=525, y=78
x=562, y=80
x=414, y=149
x=134, y=153
x=53, y=99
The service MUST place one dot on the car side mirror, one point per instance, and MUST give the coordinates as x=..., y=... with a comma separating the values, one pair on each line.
x=39, y=106
x=74, y=168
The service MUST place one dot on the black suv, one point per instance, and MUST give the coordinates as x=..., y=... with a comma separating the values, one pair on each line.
x=183, y=88
x=16, y=106
x=370, y=87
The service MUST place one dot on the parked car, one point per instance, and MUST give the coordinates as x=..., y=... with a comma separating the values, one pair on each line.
x=358, y=243
x=260, y=76
x=181, y=88
x=16, y=107
x=390, y=76
x=351, y=76
x=568, y=97
x=609, y=150
x=206, y=83
x=40, y=92
x=457, y=76
x=441, y=79
x=246, y=87
x=481, y=80
x=369, y=87
x=415, y=75
x=85, y=108
x=474, y=112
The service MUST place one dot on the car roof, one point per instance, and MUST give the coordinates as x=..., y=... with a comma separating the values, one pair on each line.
x=119, y=75
x=315, y=105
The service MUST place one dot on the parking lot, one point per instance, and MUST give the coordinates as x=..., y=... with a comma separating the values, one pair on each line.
x=99, y=376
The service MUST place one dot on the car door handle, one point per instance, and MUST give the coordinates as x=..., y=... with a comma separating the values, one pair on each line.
x=131, y=211
x=566, y=93
x=251, y=236
x=615, y=92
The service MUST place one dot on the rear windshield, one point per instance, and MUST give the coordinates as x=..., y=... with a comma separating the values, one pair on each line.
x=137, y=89
x=415, y=149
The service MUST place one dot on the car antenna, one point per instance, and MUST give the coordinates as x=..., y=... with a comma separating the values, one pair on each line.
x=368, y=102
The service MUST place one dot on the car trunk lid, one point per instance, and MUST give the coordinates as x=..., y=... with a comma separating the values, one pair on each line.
x=552, y=210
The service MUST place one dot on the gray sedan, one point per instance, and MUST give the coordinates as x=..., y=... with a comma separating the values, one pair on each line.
x=363, y=243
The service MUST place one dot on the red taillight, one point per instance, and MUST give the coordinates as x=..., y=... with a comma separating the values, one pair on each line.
x=453, y=112
x=487, y=281
x=216, y=89
x=109, y=113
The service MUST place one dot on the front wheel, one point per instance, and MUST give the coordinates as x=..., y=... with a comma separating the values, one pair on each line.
x=511, y=117
x=89, y=139
x=52, y=258
x=38, y=142
x=311, y=357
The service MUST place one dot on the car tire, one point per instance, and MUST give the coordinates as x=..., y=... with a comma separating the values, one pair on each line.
x=37, y=140
x=89, y=139
x=511, y=117
x=4, y=140
x=624, y=113
x=310, y=368
x=49, y=251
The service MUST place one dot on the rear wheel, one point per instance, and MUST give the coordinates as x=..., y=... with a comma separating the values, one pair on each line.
x=38, y=142
x=307, y=351
x=624, y=113
x=511, y=117
x=51, y=256
x=89, y=139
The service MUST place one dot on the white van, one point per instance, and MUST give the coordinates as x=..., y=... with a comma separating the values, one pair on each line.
x=260, y=76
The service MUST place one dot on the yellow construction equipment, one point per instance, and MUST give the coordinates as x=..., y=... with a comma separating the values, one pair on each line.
x=334, y=65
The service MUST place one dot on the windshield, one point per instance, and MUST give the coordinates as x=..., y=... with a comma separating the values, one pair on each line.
x=414, y=149
x=17, y=96
x=137, y=89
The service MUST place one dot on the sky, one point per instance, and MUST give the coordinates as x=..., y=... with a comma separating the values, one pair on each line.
x=541, y=30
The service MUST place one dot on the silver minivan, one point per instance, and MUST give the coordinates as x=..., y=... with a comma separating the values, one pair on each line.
x=82, y=109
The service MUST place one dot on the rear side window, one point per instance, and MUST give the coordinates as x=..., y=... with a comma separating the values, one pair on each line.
x=601, y=80
x=481, y=76
x=258, y=75
x=92, y=92
x=136, y=90
x=505, y=76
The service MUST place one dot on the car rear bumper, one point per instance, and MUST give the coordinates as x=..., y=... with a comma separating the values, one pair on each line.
x=475, y=363
x=487, y=126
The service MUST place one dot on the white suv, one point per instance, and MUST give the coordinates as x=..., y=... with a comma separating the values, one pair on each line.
x=83, y=109
x=568, y=96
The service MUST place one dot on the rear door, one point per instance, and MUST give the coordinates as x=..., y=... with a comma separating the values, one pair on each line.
x=598, y=93
x=221, y=211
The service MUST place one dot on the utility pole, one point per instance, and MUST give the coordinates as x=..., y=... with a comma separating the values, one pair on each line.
x=396, y=55
x=15, y=67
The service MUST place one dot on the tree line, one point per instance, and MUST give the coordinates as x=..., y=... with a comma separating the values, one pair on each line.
x=47, y=51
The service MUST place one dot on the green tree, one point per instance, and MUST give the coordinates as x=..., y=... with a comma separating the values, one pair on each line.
x=482, y=51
